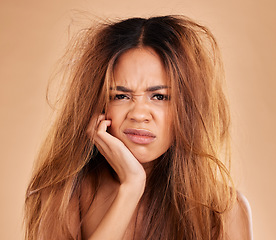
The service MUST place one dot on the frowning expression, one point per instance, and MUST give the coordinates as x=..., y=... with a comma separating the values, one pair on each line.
x=139, y=106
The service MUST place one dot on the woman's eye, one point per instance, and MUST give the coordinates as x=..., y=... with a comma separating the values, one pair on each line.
x=120, y=97
x=160, y=97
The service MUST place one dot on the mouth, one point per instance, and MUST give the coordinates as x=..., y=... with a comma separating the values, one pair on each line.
x=140, y=136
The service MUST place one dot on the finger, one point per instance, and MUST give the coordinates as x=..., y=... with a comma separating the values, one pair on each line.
x=100, y=118
x=102, y=127
x=102, y=137
x=95, y=120
x=93, y=124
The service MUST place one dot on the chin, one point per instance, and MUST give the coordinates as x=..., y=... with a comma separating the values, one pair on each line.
x=144, y=154
x=145, y=158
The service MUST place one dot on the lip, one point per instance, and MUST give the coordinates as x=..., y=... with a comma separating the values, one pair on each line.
x=140, y=136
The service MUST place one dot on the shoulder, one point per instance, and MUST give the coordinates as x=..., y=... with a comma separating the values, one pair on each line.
x=95, y=201
x=238, y=220
x=92, y=190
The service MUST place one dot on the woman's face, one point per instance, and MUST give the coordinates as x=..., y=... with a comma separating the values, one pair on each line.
x=139, y=107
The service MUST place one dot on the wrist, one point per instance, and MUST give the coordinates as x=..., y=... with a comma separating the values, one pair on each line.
x=133, y=188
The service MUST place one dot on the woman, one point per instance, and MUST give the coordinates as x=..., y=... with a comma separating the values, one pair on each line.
x=134, y=151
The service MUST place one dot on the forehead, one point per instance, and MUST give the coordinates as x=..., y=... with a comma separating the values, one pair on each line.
x=140, y=68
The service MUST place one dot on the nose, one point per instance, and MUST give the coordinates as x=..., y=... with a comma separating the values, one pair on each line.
x=139, y=111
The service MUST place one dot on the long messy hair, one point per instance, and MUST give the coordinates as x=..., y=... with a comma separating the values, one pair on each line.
x=189, y=188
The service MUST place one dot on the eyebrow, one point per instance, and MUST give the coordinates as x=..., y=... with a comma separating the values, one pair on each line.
x=149, y=89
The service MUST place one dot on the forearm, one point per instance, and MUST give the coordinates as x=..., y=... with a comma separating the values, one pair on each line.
x=117, y=218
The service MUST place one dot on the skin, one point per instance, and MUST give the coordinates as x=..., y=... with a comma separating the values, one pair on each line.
x=134, y=106
x=238, y=220
x=140, y=98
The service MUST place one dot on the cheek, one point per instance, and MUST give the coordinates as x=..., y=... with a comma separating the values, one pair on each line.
x=164, y=115
x=110, y=112
x=117, y=112
x=116, y=119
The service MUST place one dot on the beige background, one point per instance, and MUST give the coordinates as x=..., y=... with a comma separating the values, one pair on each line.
x=33, y=35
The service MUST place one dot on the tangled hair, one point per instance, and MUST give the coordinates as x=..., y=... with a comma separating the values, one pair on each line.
x=188, y=189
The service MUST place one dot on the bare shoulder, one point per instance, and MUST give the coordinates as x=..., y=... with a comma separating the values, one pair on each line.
x=238, y=220
x=107, y=187
x=94, y=205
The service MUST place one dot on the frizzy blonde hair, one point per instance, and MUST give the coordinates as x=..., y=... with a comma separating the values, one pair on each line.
x=189, y=185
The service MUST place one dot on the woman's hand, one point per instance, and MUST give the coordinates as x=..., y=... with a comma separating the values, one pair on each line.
x=127, y=167
x=132, y=179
